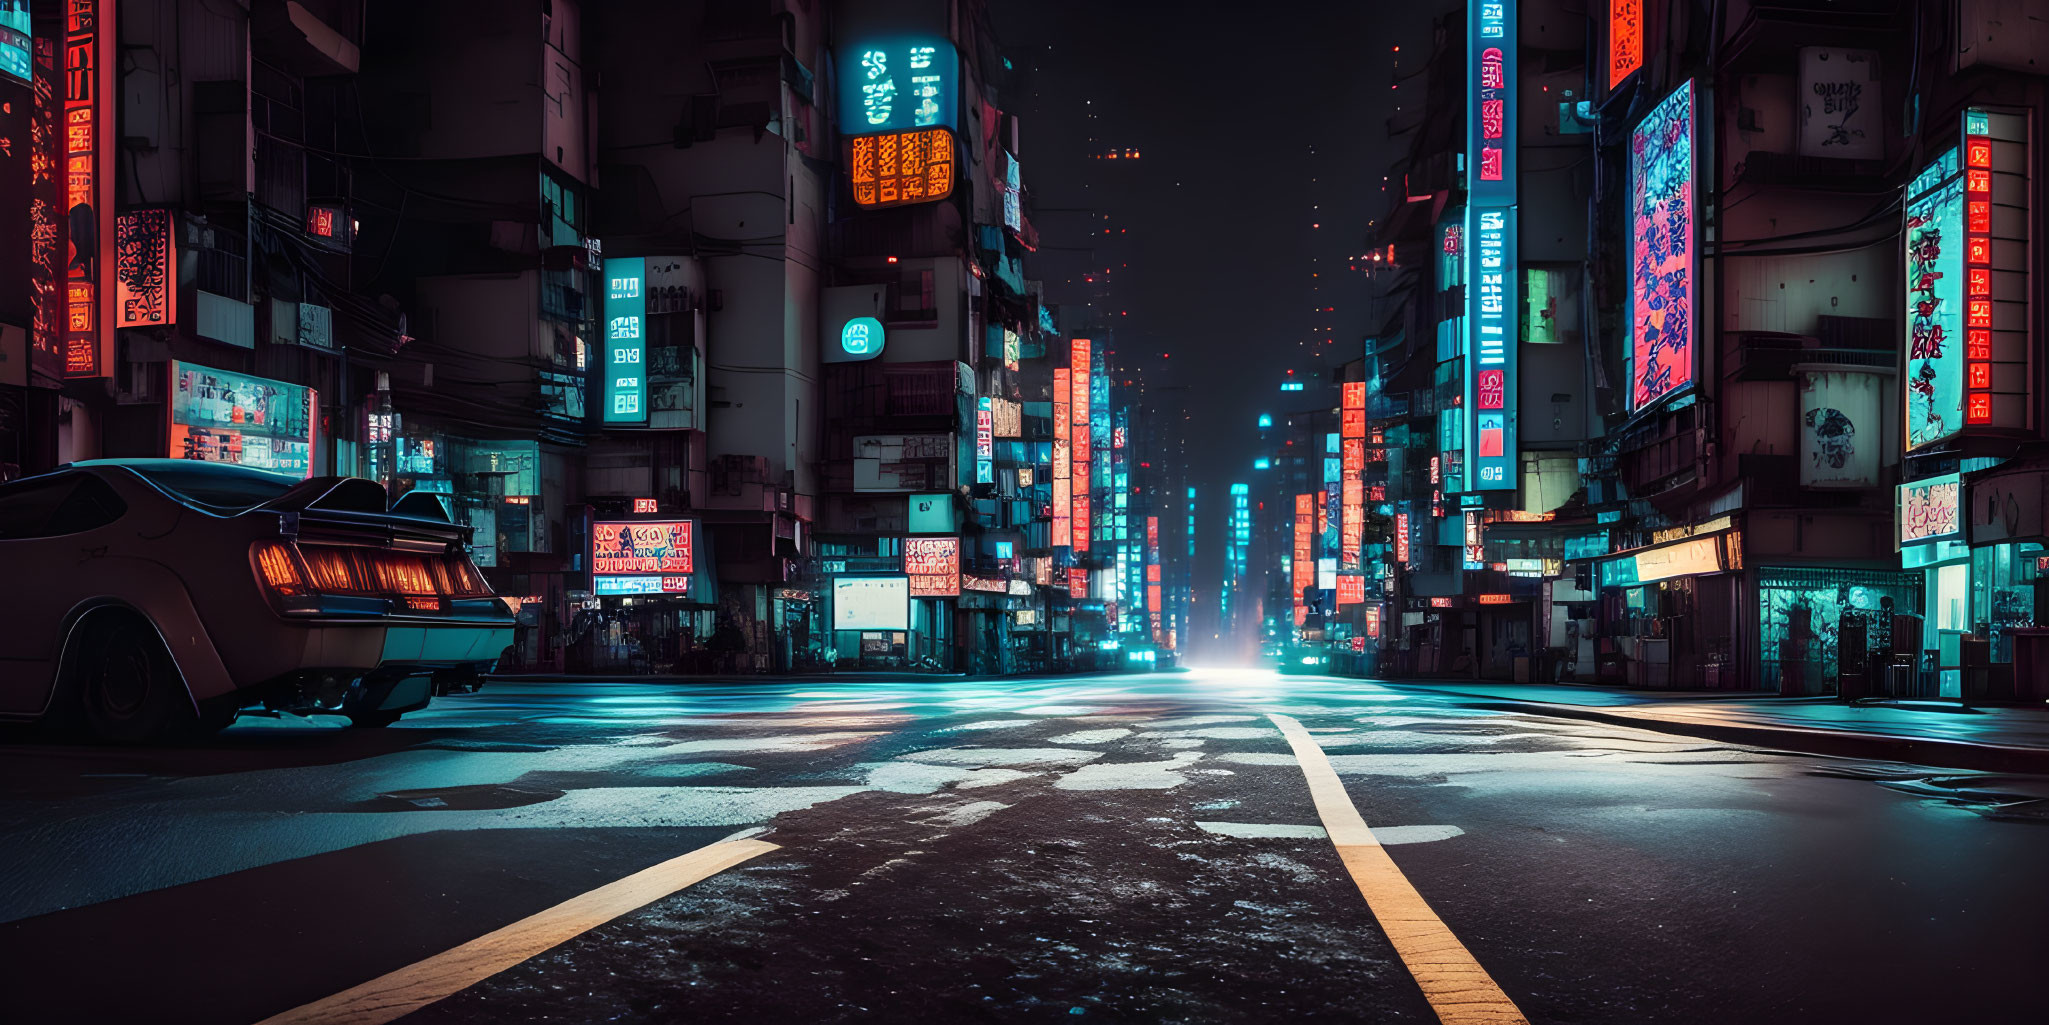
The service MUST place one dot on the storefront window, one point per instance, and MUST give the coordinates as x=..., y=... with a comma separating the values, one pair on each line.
x=2002, y=593
x=1801, y=611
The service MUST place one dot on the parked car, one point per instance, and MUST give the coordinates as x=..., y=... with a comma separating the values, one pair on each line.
x=148, y=598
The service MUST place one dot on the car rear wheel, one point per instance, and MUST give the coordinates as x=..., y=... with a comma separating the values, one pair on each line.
x=128, y=688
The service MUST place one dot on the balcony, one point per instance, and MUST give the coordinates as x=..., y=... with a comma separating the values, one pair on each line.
x=1772, y=355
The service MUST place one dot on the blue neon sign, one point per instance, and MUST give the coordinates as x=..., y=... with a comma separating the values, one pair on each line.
x=625, y=394
x=861, y=336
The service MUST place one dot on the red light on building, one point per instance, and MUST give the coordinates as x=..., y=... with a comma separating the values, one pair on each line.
x=1495, y=599
x=1625, y=39
x=646, y=505
x=320, y=221
x=1440, y=603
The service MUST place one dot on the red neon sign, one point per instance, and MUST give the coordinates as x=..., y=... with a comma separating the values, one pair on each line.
x=646, y=547
x=646, y=505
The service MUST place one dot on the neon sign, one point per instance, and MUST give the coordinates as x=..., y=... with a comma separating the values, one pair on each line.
x=934, y=566
x=88, y=138
x=897, y=84
x=1063, y=494
x=1489, y=240
x=625, y=397
x=14, y=41
x=1935, y=271
x=985, y=441
x=1401, y=538
x=145, y=269
x=1625, y=40
x=1931, y=509
x=1079, y=358
x=1662, y=263
x=900, y=168
x=1304, y=564
x=1996, y=293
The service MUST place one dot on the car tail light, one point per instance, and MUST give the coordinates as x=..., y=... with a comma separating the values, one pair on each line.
x=423, y=581
x=277, y=569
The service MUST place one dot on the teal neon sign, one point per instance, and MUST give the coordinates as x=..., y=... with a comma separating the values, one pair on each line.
x=861, y=337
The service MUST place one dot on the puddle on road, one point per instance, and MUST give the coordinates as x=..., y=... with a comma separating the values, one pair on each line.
x=1130, y=775
x=489, y=797
x=2010, y=798
x=1091, y=736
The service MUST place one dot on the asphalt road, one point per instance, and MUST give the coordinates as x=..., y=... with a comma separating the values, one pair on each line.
x=1140, y=849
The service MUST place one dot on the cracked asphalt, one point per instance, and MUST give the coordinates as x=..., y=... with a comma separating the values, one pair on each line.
x=1124, y=848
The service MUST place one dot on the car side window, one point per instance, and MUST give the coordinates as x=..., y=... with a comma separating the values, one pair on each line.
x=49, y=507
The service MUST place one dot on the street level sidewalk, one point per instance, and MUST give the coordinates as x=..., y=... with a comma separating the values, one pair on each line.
x=1993, y=739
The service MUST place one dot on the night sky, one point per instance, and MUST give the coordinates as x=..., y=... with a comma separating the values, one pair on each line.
x=1250, y=130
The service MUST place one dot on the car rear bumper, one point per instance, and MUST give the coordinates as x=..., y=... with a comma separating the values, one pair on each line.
x=391, y=666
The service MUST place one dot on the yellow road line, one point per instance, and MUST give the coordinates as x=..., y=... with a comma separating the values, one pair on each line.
x=1458, y=989
x=415, y=986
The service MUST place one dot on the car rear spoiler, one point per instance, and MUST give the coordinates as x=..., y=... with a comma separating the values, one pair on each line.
x=354, y=506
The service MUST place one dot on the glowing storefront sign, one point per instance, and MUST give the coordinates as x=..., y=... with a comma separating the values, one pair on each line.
x=222, y=417
x=145, y=269
x=1351, y=589
x=1662, y=266
x=642, y=557
x=862, y=337
x=1625, y=40
x=1494, y=599
x=88, y=145
x=1401, y=538
x=1476, y=548
x=1931, y=509
x=985, y=441
x=933, y=564
x=901, y=168
x=1491, y=104
x=889, y=85
x=625, y=396
x=1687, y=558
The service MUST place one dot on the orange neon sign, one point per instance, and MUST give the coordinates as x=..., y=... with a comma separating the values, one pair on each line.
x=899, y=168
x=1625, y=39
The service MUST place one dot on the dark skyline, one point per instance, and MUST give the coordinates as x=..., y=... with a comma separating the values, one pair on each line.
x=1243, y=192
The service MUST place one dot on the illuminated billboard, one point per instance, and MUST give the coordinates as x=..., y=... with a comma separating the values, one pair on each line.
x=1688, y=558
x=1080, y=442
x=1625, y=40
x=1930, y=509
x=625, y=359
x=890, y=85
x=88, y=147
x=1489, y=241
x=871, y=603
x=901, y=168
x=1662, y=223
x=1935, y=302
x=934, y=566
x=985, y=440
x=145, y=269
x=14, y=40
x=642, y=557
x=222, y=417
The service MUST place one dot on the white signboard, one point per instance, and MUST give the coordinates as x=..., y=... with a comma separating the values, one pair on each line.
x=871, y=603
x=1840, y=430
x=1840, y=104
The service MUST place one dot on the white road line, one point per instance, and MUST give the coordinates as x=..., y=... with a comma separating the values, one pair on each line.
x=1458, y=989
x=408, y=989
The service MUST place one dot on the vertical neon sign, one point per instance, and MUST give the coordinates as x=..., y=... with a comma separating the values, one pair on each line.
x=88, y=193
x=1935, y=271
x=1625, y=40
x=625, y=397
x=1063, y=484
x=1304, y=565
x=1490, y=244
x=1996, y=293
x=985, y=441
x=1662, y=265
x=1352, y=529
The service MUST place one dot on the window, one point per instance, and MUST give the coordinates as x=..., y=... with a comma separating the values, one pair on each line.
x=68, y=503
x=217, y=488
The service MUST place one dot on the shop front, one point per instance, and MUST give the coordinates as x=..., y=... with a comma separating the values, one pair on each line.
x=2005, y=532
x=1668, y=618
